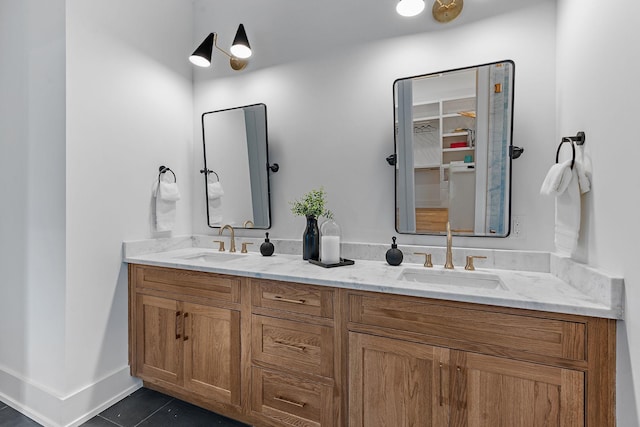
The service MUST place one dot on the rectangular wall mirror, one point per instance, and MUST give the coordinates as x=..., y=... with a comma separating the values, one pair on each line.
x=453, y=132
x=236, y=162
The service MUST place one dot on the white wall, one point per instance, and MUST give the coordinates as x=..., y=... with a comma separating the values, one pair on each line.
x=110, y=77
x=32, y=217
x=129, y=110
x=598, y=66
x=331, y=118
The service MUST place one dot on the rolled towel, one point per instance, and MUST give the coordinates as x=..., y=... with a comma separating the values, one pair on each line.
x=557, y=179
x=166, y=195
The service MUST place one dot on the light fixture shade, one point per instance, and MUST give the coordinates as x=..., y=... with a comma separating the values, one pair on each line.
x=202, y=55
x=240, y=47
x=409, y=7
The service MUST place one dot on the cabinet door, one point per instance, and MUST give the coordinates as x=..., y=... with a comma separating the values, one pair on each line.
x=158, y=339
x=212, y=352
x=490, y=391
x=396, y=383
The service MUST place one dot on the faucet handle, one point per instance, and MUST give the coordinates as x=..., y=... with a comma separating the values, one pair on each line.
x=221, y=247
x=244, y=247
x=469, y=266
x=427, y=258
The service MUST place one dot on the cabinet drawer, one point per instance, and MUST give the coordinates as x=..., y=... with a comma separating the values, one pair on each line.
x=290, y=401
x=302, y=347
x=491, y=331
x=190, y=283
x=293, y=297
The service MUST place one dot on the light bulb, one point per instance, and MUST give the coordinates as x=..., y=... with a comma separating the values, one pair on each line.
x=240, y=51
x=410, y=7
x=199, y=61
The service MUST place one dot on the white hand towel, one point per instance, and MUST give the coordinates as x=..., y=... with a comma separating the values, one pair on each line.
x=166, y=195
x=583, y=167
x=557, y=179
x=214, y=190
x=568, y=217
x=215, y=193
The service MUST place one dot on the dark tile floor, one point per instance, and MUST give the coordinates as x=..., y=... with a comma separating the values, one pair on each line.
x=142, y=408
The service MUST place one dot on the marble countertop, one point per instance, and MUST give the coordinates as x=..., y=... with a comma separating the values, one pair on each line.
x=536, y=290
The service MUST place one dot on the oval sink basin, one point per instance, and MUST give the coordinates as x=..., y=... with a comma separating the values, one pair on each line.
x=209, y=257
x=465, y=279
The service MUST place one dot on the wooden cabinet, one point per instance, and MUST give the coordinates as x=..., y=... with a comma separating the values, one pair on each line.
x=482, y=366
x=182, y=341
x=396, y=383
x=294, y=369
x=274, y=353
x=488, y=391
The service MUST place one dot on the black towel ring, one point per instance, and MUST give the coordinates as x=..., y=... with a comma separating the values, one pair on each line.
x=578, y=139
x=164, y=169
x=206, y=173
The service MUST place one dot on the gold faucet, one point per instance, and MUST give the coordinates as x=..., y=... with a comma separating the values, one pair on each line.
x=233, y=237
x=248, y=224
x=449, y=262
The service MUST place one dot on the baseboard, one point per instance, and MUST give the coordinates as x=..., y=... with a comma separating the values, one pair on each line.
x=51, y=409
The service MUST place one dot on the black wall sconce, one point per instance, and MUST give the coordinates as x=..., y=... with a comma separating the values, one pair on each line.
x=238, y=58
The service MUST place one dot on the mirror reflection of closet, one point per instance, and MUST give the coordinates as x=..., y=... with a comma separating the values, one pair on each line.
x=452, y=147
x=236, y=167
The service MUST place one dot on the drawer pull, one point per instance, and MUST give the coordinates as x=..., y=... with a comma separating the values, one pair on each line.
x=295, y=301
x=186, y=315
x=178, y=314
x=293, y=346
x=441, y=397
x=290, y=402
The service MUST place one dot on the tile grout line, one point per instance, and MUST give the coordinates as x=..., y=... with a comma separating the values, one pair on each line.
x=111, y=421
x=154, y=412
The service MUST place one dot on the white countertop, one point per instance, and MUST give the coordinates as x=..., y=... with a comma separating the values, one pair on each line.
x=520, y=289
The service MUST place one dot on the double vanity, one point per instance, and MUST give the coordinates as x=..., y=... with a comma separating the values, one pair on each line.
x=277, y=341
x=527, y=339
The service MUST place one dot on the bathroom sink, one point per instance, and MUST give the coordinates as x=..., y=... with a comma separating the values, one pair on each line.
x=465, y=279
x=207, y=257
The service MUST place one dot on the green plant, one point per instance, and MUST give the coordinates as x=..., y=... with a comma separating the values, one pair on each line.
x=312, y=204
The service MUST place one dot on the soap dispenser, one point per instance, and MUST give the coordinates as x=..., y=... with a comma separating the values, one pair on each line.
x=394, y=255
x=266, y=248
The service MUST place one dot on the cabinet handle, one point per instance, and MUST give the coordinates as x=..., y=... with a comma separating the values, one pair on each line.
x=293, y=346
x=295, y=301
x=290, y=402
x=441, y=397
x=184, y=325
x=178, y=314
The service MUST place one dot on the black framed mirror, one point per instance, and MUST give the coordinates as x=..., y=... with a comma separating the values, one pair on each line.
x=236, y=167
x=453, y=145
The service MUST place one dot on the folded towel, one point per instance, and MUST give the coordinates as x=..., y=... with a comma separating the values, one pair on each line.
x=166, y=195
x=214, y=190
x=169, y=191
x=557, y=179
x=568, y=216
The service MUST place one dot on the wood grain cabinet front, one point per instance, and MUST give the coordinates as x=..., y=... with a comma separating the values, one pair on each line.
x=187, y=347
x=273, y=353
x=283, y=399
x=297, y=346
x=487, y=366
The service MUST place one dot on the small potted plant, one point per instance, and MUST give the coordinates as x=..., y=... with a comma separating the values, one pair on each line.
x=312, y=205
